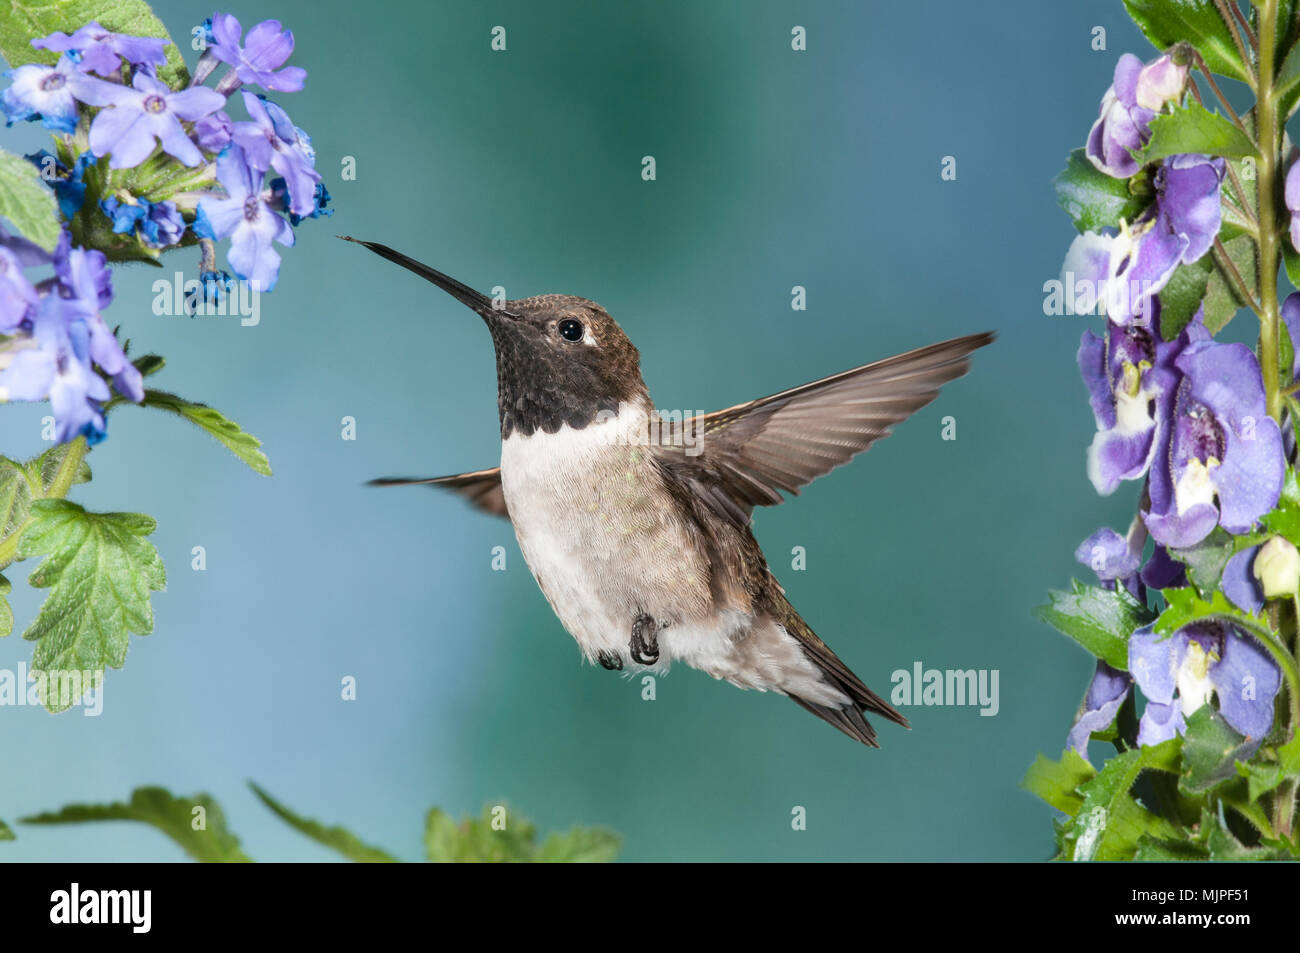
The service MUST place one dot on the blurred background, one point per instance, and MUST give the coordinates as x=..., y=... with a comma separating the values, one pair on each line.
x=522, y=169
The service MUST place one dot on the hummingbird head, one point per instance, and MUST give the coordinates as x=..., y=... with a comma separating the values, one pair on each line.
x=561, y=360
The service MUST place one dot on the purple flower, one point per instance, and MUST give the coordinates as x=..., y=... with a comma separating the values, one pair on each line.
x=1220, y=453
x=213, y=132
x=18, y=299
x=1112, y=557
x=247, y=219
x=1239, y=583
x=1291, y=195
x=1132, y=101
x=1131, y=380
x=1106, y=693
x=271, y=141
x=102, y=52
x=27, y=252
x=1162, y=571
x=44, y=93
x=137, y=117
x=159, y=223
x=1197, y=661
x=85, y=285
x=1178, y=228
x=52, y=361
x=259, y=60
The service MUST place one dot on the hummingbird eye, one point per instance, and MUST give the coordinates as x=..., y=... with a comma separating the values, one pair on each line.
x=571, y=330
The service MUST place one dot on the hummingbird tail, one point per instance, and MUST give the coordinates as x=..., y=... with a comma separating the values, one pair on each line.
x=849, y=719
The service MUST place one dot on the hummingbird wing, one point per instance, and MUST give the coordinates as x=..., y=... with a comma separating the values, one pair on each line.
x=744, y=456
x=482, y=487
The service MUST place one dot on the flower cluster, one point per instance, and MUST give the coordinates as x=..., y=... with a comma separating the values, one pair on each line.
x=1183, y=413
x=141, y=166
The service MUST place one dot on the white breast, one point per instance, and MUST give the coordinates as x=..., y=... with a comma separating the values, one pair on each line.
x=599, y=531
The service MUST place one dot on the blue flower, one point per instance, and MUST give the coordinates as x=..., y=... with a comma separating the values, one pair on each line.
x=1106, y=693
x=18, y=298
x=247, y=219
x=1220, y=453
x=139, y=115
x=44, y=93
x=272, y=141
x=102, y=52
x=159, y=223
x=1196, y=662
x=258, y=61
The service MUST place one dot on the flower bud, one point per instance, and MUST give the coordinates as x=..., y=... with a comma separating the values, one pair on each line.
x=1277, y=567
x=1159, y=82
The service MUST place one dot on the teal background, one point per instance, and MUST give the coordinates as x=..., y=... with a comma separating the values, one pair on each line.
x=522, y=169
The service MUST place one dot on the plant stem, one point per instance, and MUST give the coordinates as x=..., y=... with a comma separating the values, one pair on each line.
x=1266, y=186
x=1242, y=49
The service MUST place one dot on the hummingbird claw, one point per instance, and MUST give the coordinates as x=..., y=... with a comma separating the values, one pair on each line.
x=610, y=661
x=644, y=644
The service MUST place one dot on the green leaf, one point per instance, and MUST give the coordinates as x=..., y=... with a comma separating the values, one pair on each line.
x=1093, y=199
x=242, y=444
x=26, y=202
x=1109, y=824
x=1101, y=620
x=1222, y=300
x=20, y=484
x=1182, y=295
x=582, y=845
x=1291, y=258
x=25, y=20
x=1205, y=561
x=336, y=838
x=1193, y=128
x=1166, y=22
x=6, y=832
x=100, y=570
x=148, y=364
x=196, y=823
x=500, y=837
x=6, y=611
x=1057, y=782
x=1151, y=849
x=1211, y=750
x=1185, y=606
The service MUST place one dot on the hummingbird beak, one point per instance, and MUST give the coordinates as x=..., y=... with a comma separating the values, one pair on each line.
x=478, y=303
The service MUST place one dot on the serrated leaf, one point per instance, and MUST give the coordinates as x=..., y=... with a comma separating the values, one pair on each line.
x=1166, y=22
x=486, y=840
x=1057, y=782
x=26, y=20
x=336, y=838
x=1206, y=560
x=1185, y=606
x=26, y=202
x=100, y=570
x=1101, y=620
x=235, y=439
x=1152, y=849
x=196, y=824
x=1211, y=750
x=582, y=845
x=1193, y=128
x=1260, y=778
x=21, y=483
x=1110, y=824
x=1093, y=199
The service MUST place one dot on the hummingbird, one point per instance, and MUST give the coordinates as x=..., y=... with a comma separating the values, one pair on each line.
x=638, y=528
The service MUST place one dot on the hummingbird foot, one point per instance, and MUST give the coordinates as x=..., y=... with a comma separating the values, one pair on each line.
x=644, y=644
x=610, y=661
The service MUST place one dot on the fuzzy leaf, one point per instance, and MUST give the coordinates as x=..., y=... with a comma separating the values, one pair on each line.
x=1166, y=22
x=1101, y=620
x=6, y=611
x=239, y=442
x=26, y=20
x=1093, y=199
x=27, y=204
x=100, y=570
x=582, y=845
x=1211, y=750
x=177, y=817
x=336, y=838
x=1057, y=782
x=1109, y=824
x=1193, y=128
